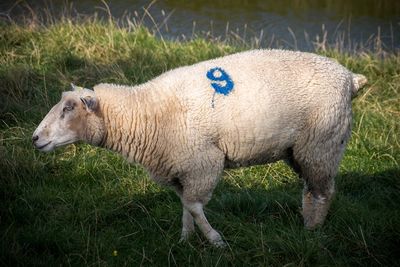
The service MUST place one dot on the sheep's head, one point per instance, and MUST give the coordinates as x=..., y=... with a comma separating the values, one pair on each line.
x=75, y=118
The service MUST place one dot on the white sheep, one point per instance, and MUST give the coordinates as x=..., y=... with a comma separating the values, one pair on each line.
x=249, y=108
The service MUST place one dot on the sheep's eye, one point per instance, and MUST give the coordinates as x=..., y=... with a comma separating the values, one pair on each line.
x=68, y=108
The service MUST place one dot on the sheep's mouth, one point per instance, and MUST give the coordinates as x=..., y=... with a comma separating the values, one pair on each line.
x=43, y=146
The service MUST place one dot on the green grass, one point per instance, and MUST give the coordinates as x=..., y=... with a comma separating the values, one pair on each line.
x=79, y=204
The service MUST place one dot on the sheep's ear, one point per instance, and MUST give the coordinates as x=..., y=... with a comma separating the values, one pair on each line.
x=76, y=88
x=90, y=103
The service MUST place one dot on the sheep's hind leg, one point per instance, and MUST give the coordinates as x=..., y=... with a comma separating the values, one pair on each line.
x=318, y=170
x=319, y=186
x=316, y=157
x=316, y=204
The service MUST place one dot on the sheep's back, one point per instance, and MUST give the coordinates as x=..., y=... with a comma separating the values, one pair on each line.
x=274, y=97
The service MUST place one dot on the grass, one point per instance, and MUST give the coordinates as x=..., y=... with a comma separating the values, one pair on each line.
x=84, y=206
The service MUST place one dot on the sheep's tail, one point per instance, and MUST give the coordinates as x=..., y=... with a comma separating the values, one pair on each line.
x=359, y=81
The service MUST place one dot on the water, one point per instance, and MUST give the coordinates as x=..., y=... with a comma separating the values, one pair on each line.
x=271, y=23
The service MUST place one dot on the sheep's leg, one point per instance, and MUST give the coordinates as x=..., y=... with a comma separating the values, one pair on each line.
x=196, y=209
x=187, y=218
x=317, y=162
x=187, y=225
x=322, y=204
x=197, y=188
x=316, y=204
x=319, y=188
x=308, y=208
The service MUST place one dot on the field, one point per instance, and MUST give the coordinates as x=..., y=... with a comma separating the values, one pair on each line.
x=85, y=206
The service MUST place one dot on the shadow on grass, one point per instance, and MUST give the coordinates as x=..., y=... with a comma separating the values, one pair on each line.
x=376, y=190
x=360, y=199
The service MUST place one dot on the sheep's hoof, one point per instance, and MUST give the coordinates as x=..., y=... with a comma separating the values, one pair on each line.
x=312, y=225
x=184, y=236
x=218, y=243
x=309, y=223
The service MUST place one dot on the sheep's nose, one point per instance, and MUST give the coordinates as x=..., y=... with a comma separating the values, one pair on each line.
x=35, y=138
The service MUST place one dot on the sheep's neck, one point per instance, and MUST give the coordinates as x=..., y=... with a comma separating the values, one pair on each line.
x=130, y=127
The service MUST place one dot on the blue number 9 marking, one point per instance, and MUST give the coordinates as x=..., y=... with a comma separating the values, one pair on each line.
x=219, y=86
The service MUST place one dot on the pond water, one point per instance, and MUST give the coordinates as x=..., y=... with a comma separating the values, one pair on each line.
x=292, y=24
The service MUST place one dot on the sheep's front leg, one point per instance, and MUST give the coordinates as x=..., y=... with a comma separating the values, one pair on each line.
x=187, y=218
x=196, y=210
x=196, y=191
x=187, y=225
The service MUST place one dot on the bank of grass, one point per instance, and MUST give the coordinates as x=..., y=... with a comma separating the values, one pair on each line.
x=83, y=206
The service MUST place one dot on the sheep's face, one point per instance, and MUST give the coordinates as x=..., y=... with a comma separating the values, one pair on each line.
x=69, y=121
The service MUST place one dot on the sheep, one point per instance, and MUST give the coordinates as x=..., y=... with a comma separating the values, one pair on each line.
x=190, y=123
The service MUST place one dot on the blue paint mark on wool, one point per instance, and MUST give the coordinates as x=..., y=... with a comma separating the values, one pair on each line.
x=223, y=84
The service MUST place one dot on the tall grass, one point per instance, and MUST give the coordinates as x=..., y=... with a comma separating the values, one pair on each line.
x=82, y=205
